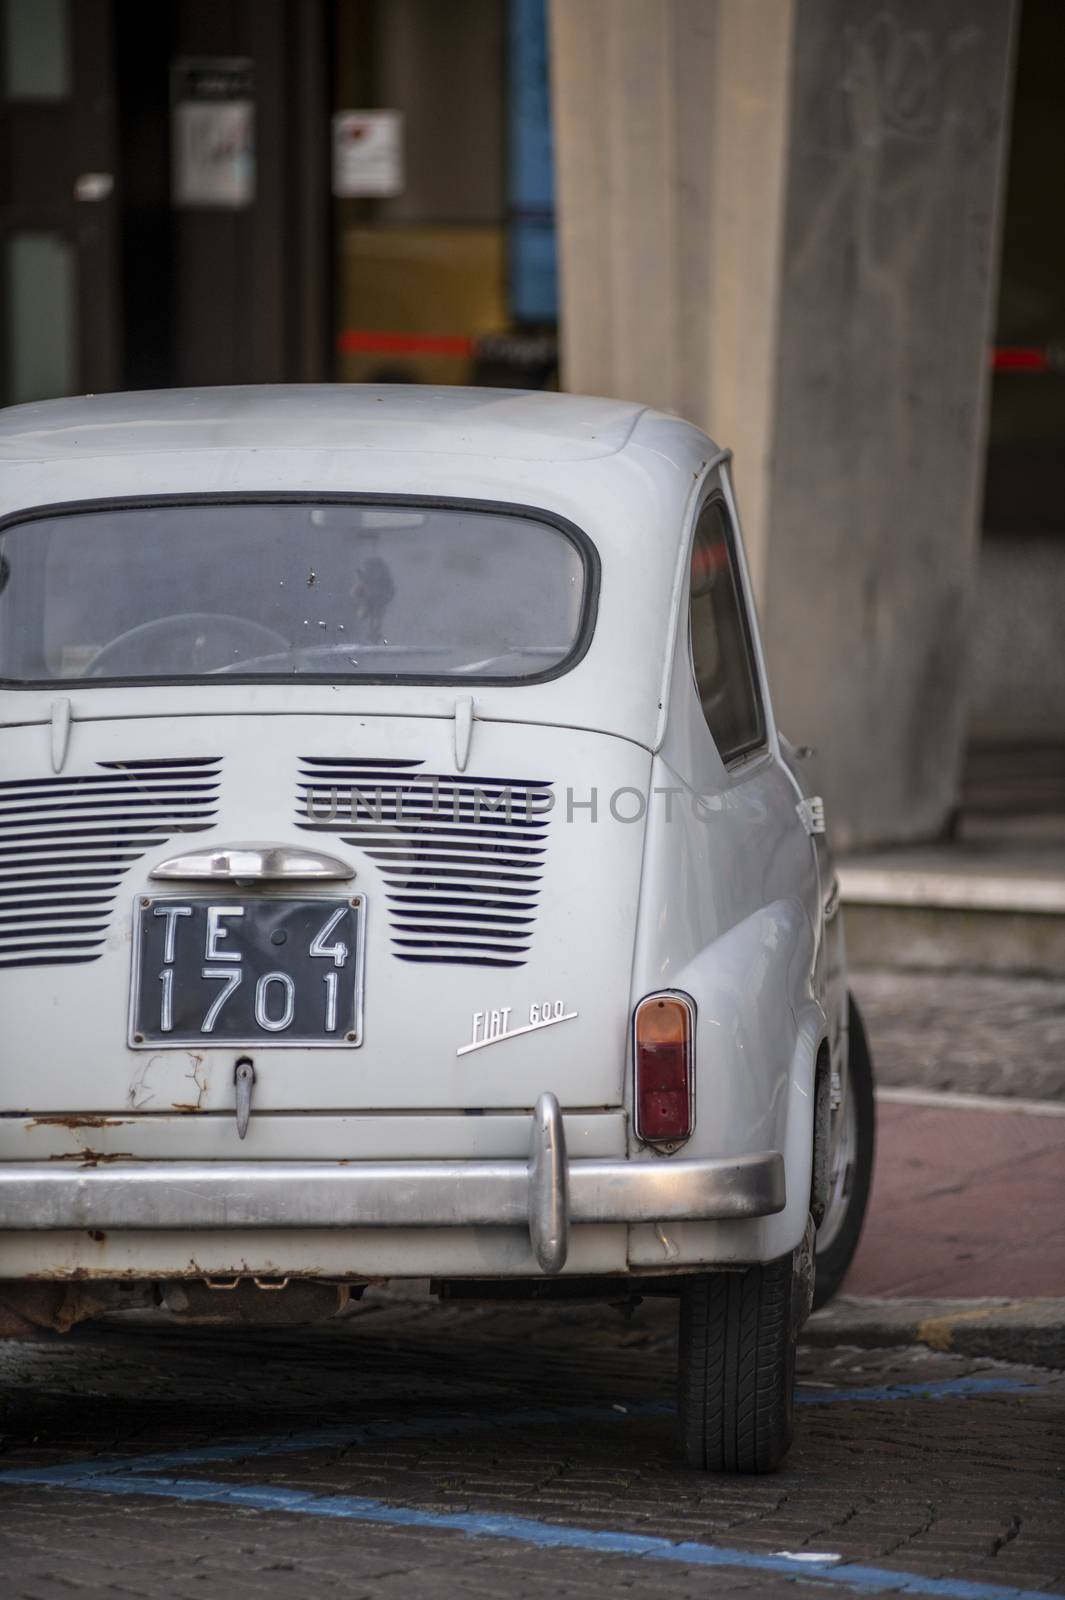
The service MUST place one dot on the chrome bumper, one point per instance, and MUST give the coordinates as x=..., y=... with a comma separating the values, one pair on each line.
x=545, y=1194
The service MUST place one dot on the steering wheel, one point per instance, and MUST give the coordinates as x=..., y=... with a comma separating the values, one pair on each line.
x=191, y=642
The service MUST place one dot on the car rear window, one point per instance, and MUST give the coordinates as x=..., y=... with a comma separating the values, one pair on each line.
x=280, y=588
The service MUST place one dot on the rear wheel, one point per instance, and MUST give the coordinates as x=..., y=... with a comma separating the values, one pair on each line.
x=851, y=1171
x=738, y=1333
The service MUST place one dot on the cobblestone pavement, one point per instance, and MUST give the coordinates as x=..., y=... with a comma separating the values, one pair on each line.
x=500, y=1450
x=971, y=1033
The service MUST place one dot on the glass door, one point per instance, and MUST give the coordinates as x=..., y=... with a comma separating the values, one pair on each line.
x=58, y=247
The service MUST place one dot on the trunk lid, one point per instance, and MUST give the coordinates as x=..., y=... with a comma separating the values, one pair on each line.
x=498, y=917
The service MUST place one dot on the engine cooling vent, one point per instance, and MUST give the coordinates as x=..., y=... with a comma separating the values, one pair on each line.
x=462, y=857
x=66, y=842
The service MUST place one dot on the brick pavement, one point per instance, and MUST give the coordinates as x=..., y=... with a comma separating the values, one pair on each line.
x=954, y=1487
x=964, y=1203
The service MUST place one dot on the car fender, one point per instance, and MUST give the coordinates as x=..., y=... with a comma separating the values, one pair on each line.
x=758, y=1036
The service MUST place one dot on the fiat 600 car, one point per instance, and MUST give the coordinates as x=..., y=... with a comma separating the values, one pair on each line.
x=402, y=877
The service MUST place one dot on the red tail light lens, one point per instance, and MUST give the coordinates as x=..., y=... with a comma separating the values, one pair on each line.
x=664, y=1040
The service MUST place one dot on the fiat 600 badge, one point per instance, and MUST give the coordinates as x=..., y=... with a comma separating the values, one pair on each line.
x=402, y=877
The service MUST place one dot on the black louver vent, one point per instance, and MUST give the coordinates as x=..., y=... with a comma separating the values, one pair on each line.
x=66, y=842
x=462, y=857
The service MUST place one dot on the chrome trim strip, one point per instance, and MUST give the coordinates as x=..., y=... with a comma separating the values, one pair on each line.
x=254, y=863
x=832, y=899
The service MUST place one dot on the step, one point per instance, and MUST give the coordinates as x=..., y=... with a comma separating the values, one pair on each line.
x=997, y=907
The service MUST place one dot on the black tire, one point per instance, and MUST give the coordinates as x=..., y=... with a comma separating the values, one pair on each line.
x=834, y=1258
x=738, y=1333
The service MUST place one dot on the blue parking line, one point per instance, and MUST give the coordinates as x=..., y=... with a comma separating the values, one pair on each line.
x=526, y=1530
x=131, y=1477
x=342, y=1436
x=944, y=1389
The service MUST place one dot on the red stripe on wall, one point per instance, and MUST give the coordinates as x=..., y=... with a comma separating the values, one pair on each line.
x=367, y=341
x=1020, y=358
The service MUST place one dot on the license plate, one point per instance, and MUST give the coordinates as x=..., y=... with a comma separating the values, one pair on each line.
x=262, y=970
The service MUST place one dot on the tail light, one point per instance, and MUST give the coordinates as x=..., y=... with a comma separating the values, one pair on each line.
x=663, y=1052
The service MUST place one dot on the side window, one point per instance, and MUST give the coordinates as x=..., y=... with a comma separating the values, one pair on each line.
x=722, y=655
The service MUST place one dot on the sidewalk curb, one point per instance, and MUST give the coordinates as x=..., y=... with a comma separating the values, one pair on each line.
x=1027, y=1331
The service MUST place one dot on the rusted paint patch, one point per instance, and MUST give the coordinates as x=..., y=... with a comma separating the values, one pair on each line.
x=76, y=1119
x=92, y=1158
x=90, y=1275
x=145, y=1089
x=198, y=1079
x=104, y=1274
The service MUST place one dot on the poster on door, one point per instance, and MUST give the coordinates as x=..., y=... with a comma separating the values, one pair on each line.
x=367, y=154
x=213, y=132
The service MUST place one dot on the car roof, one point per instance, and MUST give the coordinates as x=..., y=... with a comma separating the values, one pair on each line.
x=513, y=424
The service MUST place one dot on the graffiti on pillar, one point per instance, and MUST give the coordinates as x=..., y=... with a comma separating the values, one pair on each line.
x=896, y=122
x=895, y=79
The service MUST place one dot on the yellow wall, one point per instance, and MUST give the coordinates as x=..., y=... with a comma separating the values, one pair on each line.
x=440, y=282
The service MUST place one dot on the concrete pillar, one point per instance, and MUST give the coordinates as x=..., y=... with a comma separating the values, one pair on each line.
x=779, y=218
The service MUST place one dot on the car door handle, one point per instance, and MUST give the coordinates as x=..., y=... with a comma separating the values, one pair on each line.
x=253, y=863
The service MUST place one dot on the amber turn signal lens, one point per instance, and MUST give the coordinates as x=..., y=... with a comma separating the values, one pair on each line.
x=663, y=1047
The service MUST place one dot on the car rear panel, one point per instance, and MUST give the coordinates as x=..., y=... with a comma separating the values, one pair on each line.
x=498, y=910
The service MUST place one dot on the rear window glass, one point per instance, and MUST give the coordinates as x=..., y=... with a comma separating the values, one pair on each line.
x=267, y=590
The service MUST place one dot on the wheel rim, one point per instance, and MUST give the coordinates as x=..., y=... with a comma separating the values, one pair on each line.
x=841, y=1176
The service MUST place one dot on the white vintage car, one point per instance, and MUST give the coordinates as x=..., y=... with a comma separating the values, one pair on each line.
x=401, y=877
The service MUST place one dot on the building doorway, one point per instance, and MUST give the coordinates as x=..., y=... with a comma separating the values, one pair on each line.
x=60, y=320
x=1015, y=768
